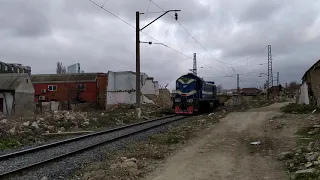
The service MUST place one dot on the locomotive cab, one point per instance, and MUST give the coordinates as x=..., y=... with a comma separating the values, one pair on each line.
x=193, y=94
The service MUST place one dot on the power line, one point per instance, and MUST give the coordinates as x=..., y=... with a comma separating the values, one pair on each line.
x=112, y=13
x=191, y=36
x=179, y=52
x=249, y=56
x=148, y=9
x=141, y=31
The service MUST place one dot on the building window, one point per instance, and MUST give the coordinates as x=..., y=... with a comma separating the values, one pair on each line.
x=52, y=88
x=6, y=68
x=81, y=87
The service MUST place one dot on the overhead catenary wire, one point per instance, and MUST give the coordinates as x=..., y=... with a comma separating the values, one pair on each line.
x=214, y=58
x=126, y=22
x=148, y=9
x=157, y=41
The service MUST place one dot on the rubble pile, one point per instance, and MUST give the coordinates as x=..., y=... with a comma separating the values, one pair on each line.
x=29, y=130
x=163, y=100
x=122, y=168
x=304, y=160
x=125, y=167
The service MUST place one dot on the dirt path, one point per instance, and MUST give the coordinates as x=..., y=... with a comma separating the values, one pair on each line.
x=224, y=153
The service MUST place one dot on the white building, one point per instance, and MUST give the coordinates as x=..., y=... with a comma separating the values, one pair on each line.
x=74, y=68
x=122, y=87
x=16, y=94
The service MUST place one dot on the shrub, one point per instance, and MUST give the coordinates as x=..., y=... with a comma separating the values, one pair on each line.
x=299, y=108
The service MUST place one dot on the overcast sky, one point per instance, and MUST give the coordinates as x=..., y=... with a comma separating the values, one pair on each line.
x=230, y=33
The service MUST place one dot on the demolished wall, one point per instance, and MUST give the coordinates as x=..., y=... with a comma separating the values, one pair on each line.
x=121, y=88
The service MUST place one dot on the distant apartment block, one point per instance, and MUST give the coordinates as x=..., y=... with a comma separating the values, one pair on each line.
x=74, y=68
x=14, y=68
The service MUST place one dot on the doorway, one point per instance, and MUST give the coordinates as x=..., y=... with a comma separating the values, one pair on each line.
x=1, y=105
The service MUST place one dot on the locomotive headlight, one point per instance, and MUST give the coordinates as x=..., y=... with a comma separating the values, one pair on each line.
x=177, y=100
x=190, y=100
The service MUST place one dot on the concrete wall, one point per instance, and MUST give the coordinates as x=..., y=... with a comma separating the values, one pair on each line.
x=304, y=97
x=122, y=87
x=149, y=87
x=156, y=87
x=7, y=102
x=25, y=86
x=24, y=97
x=50, y=106
x=24, y=103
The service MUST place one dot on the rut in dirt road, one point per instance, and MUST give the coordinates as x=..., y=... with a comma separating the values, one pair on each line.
x=224, y=152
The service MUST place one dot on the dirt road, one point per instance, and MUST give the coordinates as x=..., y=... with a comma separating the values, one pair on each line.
x=225, y=153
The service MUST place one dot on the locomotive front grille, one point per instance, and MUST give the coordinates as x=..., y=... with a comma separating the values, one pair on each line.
x=184, y=103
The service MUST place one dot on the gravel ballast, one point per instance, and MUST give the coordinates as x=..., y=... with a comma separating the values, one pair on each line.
x=68, y=165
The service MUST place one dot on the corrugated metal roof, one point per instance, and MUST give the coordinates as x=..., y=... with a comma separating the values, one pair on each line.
x=77, y=77
x=10, y=81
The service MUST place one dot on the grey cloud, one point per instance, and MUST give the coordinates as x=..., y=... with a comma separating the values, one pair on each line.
x=260, y=10
x=22, y=18
x=77, y=31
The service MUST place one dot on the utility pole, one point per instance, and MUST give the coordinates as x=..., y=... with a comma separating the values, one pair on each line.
x=195, y=64
x=194, y=69
x=138, y=29
x=278, y=82
x=270, y=75
x=238, y=90
x=138, y=64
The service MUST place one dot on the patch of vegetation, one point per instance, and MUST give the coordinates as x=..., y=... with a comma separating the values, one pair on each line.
x=299, y=108
x=163, y=111
x=9, y=143
x=306, y=137
x=150, y=151
x=312, y=176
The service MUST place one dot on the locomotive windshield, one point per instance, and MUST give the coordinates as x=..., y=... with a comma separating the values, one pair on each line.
x=186, y=85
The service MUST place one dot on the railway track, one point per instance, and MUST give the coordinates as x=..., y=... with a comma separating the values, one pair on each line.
x=20, y=162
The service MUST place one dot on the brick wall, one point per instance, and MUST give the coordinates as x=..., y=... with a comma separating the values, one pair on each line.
x=314, y=80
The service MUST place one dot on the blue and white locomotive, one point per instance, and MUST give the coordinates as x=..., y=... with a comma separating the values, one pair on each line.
x=193, y=94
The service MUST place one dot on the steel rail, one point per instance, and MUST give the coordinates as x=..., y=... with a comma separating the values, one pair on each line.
x=20, y=171
x=47, y=146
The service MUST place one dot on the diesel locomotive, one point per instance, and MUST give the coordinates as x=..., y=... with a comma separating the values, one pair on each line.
x=194, y=95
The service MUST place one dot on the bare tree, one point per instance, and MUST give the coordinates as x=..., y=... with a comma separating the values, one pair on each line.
x=60, y=68
x=219, y=88
x=292, y=87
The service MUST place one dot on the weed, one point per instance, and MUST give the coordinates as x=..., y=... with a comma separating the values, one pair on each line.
x=299, y=108
x=9, y=143
x=306, y=137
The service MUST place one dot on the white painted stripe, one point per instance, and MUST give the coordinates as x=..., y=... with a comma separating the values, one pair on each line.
x=211, y=84
x=207, y=92
x=188, y=82
x=188, y=94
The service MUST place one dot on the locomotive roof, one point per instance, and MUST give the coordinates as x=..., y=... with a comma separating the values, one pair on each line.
x=197, y=77
x=193, y=76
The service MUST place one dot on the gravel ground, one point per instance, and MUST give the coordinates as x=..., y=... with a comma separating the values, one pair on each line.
x=69, y=165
